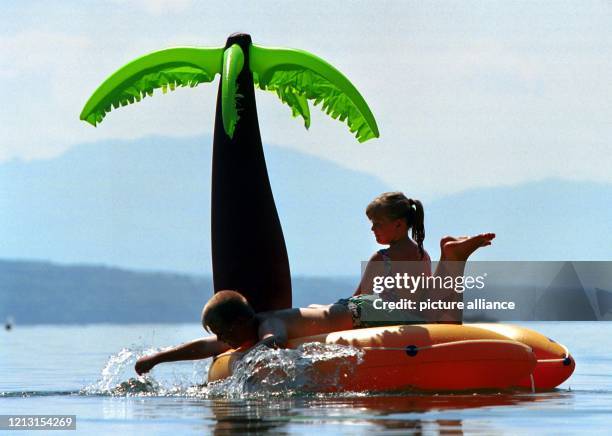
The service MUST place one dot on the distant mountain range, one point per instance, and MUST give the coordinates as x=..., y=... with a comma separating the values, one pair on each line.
x=144, y=205
x=545, y=220
x=46, y=293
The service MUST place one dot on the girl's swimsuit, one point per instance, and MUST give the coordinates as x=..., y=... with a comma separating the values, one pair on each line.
x=365, y=314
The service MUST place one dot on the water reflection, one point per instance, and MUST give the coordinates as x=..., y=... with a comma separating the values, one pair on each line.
x=414, y=414
x=250, y=416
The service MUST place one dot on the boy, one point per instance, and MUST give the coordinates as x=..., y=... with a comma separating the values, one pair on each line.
x=230, y=317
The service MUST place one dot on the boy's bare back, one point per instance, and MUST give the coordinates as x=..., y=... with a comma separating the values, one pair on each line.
x=299, y=322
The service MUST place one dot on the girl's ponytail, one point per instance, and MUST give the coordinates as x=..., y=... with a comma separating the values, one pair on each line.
x=417, y=219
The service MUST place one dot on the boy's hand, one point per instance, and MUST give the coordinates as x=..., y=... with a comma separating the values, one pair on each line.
x=145, y=364
x=270, y=342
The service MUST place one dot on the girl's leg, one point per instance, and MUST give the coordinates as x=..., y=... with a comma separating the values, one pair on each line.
x=454, y=253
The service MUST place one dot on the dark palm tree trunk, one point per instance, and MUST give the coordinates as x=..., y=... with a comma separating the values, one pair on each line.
x=248, y=247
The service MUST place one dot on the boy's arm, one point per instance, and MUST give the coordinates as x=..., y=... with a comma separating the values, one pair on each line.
x=198, y=349
x=272, y=333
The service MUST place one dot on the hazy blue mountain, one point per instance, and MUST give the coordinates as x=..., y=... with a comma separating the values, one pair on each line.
x=144, y=204
x=46, y=293
x=545, y=220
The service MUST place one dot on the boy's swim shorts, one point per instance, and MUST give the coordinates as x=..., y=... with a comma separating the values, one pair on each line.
x=365, y=315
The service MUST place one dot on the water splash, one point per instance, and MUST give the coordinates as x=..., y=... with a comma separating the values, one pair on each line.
x=117, y=378
x=310, y=368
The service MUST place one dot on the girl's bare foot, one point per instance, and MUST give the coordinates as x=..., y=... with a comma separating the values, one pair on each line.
x=446, y=239
x=459, y=249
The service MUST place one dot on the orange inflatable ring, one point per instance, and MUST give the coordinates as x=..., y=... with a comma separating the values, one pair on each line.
x=439, y=358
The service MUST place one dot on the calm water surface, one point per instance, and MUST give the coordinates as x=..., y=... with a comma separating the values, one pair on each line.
x=88, y=371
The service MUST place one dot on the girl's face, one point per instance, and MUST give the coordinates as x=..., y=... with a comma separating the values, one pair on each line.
x=388, y=230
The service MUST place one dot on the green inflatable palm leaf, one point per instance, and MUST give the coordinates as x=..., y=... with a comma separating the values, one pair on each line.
x=298, y=76
x=165, y=69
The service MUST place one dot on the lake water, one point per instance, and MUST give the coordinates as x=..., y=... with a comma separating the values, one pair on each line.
x=87, y=371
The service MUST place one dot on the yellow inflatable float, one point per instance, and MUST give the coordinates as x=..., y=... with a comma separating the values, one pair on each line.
x=438, y=358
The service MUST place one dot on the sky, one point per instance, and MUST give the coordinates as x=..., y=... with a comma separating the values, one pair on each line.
x=467, y=94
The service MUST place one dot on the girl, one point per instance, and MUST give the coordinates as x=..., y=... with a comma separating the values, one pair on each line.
x=393, y=215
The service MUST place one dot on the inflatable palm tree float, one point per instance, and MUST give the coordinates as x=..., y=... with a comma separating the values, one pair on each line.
x=248, y=248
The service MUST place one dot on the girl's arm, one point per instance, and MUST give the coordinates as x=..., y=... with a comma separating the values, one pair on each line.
x=198, y=349
x=427, y=261
x=374, y=267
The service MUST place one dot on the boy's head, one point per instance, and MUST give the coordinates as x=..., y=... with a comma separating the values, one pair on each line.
x=230, y=317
